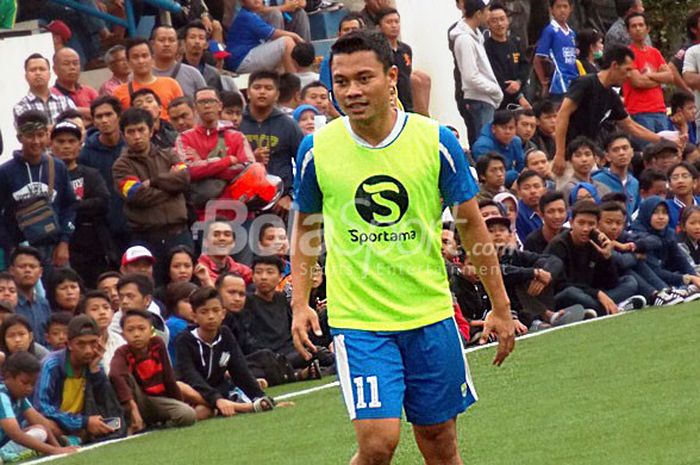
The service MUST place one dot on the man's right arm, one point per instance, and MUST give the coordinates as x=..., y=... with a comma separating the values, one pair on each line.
x=568, y=107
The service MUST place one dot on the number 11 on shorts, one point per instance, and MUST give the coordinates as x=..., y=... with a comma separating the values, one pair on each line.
x=374, y=401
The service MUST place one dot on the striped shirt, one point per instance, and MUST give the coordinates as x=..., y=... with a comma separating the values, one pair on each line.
x=53, y=107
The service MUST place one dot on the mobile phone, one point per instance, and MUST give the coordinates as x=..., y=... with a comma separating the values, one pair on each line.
x=595, y=237
x=113, y=422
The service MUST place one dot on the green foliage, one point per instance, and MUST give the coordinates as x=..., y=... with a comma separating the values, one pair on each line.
x=667, y=20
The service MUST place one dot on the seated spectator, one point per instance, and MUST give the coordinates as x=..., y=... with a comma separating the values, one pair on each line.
x=8, y=289
x=536, y=160
x=491, y=171
x=546, y=114
x=556, y=47
x=389, y=24
x=66, y=65
x=583, y=191
x=554, y=216
x=288, y=15
x=144, y=380
x=683, y=114
x=590, y=277
x=304, y=57
x=290, y=93
x=23, y=431
x=203, y=364
x=33, y=179
x=107, y=283
x=580, y=153
x=683, y=180
x=115, y=59
x=199, y=11
x=64, y=290
x=274, y=241
x=16, y=335
x=37, y=73
x=510, y=205
x=691, y=153
x=194, y=38
x=181, y=265
x=499, y=136
x=351, y=22
x=138, y=259
x=140, y=57
x=305, y=116
x=689, y=237
x=589, y=43
x=316, y=94
x=617, y=176
x=136, y=293
x=526, y=128
x=661, y=156
x=164, y=134
x=652, y=182
x=232, y=108
x=255, y=45
x=165, y=54
x=97, y=306
x=73, y=391
x=489, y=208
x=181, y=114
x=177, y=301
x=57, y=331
x=152, y=182
x=25, y=268
x=530, y=189
x=219, y=242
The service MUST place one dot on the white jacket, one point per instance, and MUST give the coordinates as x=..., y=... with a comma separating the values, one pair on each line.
x=478, y=80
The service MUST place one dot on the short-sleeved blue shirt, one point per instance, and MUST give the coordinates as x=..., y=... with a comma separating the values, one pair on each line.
x=559, y=46
x=11, y=408
x=247, y=31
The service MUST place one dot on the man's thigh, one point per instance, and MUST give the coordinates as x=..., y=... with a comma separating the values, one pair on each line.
x=267, y=56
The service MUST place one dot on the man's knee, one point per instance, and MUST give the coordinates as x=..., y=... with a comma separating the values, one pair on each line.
x=421, y=79
x=184, y=416
x=438, y=442
x=377, y=440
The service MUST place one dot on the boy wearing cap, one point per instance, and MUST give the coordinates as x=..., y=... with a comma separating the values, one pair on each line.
x=73, y=391
x=305, y=116
x=661, y=155
x=87, y=251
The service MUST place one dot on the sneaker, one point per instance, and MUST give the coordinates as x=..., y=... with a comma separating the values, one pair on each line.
x=663, y=299
x=688, y=294
x=589, y=314
x=633, y=303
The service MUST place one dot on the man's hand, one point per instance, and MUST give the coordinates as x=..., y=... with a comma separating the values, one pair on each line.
x=206, y=21
x=202, y=273
x=626, y=247
x=262, y=155
x=608, y=304
x=283, y=205
x=544, y=276
x=97, y=427
x=296, y=37
x=64, y=450
x=535, y=288
x=60, y=255
x=558, y=164
x=520, y=328
x=225, y=407
x=606, y=246
x=502, y=326
x=99, y=353
x=513, y=87
x=305, y=319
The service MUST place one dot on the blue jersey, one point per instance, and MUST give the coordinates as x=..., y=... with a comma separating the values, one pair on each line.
x=11, y=408
x=559, y=46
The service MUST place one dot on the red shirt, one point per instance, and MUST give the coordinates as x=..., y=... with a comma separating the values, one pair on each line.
x=645, y=100
x=229, y=265
x=82, y=96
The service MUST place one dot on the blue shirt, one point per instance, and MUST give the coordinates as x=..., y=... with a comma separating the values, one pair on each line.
x=11, y=408
x=560, y=47
x=247, y=32
x=37, y=312
x=456, y=183
x=527, y=221
x=675, y=209
x=176, y=325
x=692, y=130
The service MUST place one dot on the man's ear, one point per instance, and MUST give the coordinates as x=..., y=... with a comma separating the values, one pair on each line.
x=149, y=301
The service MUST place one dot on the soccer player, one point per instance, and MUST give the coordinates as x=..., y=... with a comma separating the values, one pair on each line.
x=378, y=176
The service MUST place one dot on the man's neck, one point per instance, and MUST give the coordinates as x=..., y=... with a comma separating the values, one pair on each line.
x=562, y=25
x=77, y=366
x=140, y=352
x=156, y=125
x=266, y=296
x=72, y=86
x=164, y=63
x=493, y=189
x=71, y=164
x=209, y=124
x=28, y=293
x=207, y=336
x=260, y=114
x=376, y=130
x=604, y=78
x=42, y=92
x=499, y=38
x=122, y=78
x=473, y=23
x=31, y=159
x=193, y=59
x=549, y=233
x=110, y=140
x=144, y=78
x=394, y=43
x=583, y=176
x=218, y=259
x=620, y=171
x=687, y=199
x=640, y=45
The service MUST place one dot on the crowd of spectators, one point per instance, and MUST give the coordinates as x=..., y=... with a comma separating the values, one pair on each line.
x=143, y=224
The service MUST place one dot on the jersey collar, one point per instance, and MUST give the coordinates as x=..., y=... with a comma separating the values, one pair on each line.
x=401, y=119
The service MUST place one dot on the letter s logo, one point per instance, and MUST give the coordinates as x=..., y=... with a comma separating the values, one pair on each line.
x=381, y=200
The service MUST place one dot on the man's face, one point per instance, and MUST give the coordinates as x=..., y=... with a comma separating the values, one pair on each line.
x=582, y=161
x=57, y=336
x=537, y=162
x=195, y=41
x=219, y=240
x=554, y=215
x=142, y=266
x=106, y=119
x=659, y=188
x=131, y=298
x=210, y=315
x=21, y=385
x=504, y=133
x=489, y=210
x=449, y=245
x=611, y=224
x=8, y=292
x=581, y=227
x=181, y=117
x=234, y=115
x=619, y=153
x=109, y=287
x=67, y=66
x=208, y=106
x=232, y=294
x=498, y=23
x=689, y=111
x=620, y=73
x=547, y=123
x=561, y=10
x=138, y=137
x=349, y=26
x=263, y=93
x=525, y=127
x=500, y=235
x=165, y=43
x=531, y=190
x=390, y=26
x=37, y=73
x=361, y=86
x=665, y=160
x=119, y=65
x=84, y=348
x=149, y=103
x=637, y=29
x=682, y=182
x=26, y=270
x=266, y=277
x=495, y=175
x=137, y=332
x=99, y=310
x=318, y=97
x=140, y=60
x=274, y=241
x=66, y=147
x=18, y=338
x=34, y=142
x=67, y=295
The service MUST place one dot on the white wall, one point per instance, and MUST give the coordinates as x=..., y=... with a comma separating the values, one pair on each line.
x=424, y=27
x=13, y=52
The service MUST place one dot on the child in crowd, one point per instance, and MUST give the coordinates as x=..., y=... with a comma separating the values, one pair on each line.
x=8, y=290
x=554, y=215
x=64, y=290
x=691, y=153
x=526, y=127
x=556, y=49
x=177, y=300
x=546, y=113
x=107, y=283
x=96, y=305
x=274, y=241
x=16, y=336
x=491, y=170
x=57, y=330
x=136, y=293
x=683, y=179
x=689, y=237
x=499, y=137
x=536, y=160
x=652, y=182
x=305, y=116
x=232, y=108
x=23, y=430
x=530, y=190
x=144, y=379
x=581, y=154
x=683, y=114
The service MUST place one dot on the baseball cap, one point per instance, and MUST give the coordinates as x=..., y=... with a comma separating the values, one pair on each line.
x=218, y=50
x=662, y=146
x=472, y=6
x=498, y=220
x=59, y=27
x=82, y=325
x=66, y=127
x=135, y=253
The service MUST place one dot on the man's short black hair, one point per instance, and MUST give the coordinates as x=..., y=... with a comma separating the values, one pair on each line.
x=202, y=295
x=551, y=196
x=161, y=26
x=612, y=206
x=502, y=117
x=544, y=107
x=106, y=100
x=196, y=24
x=290, y=84
x=222, y=277
x=145, y=91
x=679, y=99
x=135, y=42
x=692, y=23
x=107, y=275
x=623, y=6
x=304, y=54
x=89, y=295
x=523, y=112
x=143, y=283
x=384, y=12
x=21, y=362
x=616, y=54
x=231, y=99
x=493, y=6
x=36, y=56
x=145, y=314
x=69, y=113
x=260, y=75
x=312, y=85
x=206, y=88
x=365, y=41
x=351, y=17
x=614, y=197
x=636, y=14
x=32, y=116
x=527, y=174
x=577, y=143
x=611, y=138
x=184, y=100
x=552, y=2
x=585, y=207
x=25, y=250
x=483, y=162
x=273, y=260
x=134, y=116
x=59, y=318
x=7, y=276
x=688, y=167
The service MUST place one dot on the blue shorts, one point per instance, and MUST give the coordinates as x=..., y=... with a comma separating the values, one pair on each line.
x=423, y=371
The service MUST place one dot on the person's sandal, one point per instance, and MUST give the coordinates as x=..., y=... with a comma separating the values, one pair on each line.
x=263, y=404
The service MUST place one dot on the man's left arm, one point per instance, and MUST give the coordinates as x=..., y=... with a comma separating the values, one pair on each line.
x=67, y=204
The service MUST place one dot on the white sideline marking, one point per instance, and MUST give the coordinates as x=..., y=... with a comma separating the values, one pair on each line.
x=304, y=392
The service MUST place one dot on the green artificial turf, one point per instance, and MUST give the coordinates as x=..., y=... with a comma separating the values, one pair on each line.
x=620, y=391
